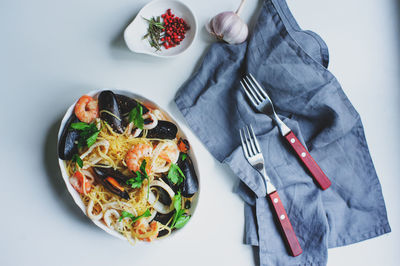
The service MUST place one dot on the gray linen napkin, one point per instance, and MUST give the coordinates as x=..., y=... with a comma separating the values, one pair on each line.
x=291, y=65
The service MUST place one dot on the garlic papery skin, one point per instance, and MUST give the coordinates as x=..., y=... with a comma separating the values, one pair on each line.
x=228, y=26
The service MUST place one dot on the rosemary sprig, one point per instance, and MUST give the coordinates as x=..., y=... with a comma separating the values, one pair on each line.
x=154, y=32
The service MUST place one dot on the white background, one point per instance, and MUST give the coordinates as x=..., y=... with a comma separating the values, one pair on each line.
x=52, y=52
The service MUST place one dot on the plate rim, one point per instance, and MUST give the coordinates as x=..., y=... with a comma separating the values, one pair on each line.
x=75, y=195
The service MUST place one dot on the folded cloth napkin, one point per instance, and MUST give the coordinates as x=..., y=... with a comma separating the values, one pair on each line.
x=291, y=65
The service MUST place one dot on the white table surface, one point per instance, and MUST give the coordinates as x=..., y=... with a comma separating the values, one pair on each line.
x=54, y=51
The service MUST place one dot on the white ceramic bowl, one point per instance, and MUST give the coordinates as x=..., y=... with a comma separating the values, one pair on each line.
x=135, y=31
x=75, y=195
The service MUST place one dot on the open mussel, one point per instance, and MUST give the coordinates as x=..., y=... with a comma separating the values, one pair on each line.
x=113, y=180
x=163, y=218
x=190, y=184
x=109, y=110
x=166, y=180
x=164, y=197
x=163, y=130
x=126, y=104
x=67, y=146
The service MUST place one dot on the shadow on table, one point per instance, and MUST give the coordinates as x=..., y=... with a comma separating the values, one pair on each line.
x=120, y=51
x=50, y=160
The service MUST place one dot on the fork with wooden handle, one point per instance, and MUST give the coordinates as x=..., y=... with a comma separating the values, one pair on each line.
x=261, y=101
x=253, y=154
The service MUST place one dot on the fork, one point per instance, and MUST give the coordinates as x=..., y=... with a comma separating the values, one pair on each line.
x=261, y=101
x=252, y=152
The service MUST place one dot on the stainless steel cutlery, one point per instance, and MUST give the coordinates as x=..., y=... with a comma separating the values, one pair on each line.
x=261, y=101
x=254, y=156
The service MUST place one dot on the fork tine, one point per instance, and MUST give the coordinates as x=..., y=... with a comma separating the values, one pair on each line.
x=255, y=140
x=251, y=139
x=255, y=88
x=253, y=101
x=247, y=141
x=246, y=154
x=249, y=90
x=260, y=88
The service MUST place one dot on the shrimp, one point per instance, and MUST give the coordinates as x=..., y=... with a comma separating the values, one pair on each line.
x=80, y=183
x=165, y=154
x=135, y=156
x=170, y=152
x=145, y=231
x=87, y=109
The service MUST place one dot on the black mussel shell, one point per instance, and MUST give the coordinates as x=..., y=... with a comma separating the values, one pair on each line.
x=174, y=187
x=108, y=104
x=107, y=171
x=188, y=204
x=163, y=130
x=126, y=104
x=67, y=146
x=190, y=184
x=163, y=218
x=162, y=233
x=101, y=175
x=163, y=196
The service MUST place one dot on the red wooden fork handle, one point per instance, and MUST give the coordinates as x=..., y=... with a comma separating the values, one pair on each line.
x=285, y=225
x=308, y=161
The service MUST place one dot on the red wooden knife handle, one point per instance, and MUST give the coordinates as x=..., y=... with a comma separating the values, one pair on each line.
x=285, y=224
x=308, y=161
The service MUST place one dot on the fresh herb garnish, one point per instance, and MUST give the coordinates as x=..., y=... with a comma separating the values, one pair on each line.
x=126, y=214
x=136, y=116
x=80, y=125
x=183, y=157
x=181, y=221
x=154, y=32
x=77, y=160
x=175, y=174
x=180, y=217
x=92, y=139
x=87, y=133
x=136, y=182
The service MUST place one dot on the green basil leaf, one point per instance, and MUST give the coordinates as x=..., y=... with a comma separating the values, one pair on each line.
x=136, y=116
x=139, y=175
x=177, y=201
x=92, y=139
x=134, y=182
x=143, y=168
x=175, y=174
x=125, y=214
x=182, y=221
x=145, y=214
x=79, y=126
x=78, y=160
x=184, y=155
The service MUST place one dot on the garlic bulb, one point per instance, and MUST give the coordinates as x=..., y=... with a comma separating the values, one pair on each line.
x=228, y=26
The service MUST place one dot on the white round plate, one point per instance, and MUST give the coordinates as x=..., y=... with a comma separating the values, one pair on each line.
x=75, y=195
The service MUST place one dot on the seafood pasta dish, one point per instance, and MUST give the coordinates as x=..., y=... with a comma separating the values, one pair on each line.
x=130, y=166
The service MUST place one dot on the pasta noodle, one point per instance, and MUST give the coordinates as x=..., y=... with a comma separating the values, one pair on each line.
x=129, y=179
x=119, y=145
